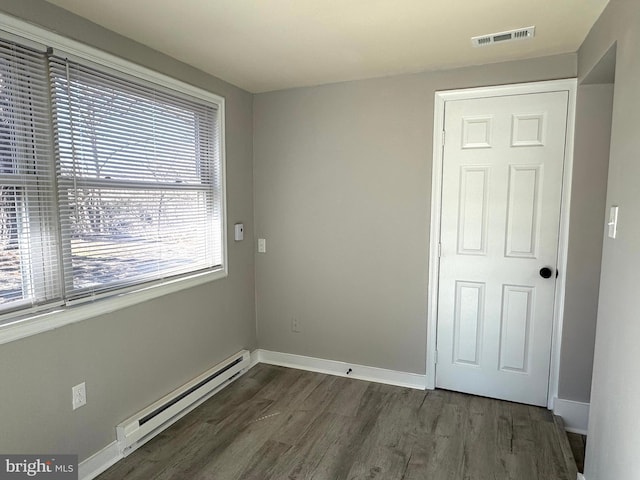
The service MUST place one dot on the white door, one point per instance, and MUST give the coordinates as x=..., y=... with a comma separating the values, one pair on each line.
x=502, y=185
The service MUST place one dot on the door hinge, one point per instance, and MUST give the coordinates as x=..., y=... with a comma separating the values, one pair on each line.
x=435, y=358
x=439, y=250
x=444, y=137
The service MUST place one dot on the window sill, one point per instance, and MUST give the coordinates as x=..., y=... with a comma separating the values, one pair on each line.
x=65, y=315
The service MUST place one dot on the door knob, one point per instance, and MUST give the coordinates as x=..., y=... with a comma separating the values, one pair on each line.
x=546, y=272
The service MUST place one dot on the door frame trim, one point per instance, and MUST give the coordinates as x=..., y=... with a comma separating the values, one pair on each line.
x=441, y=97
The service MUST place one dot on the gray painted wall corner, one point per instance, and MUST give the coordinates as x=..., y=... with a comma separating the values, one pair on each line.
x=594, y=104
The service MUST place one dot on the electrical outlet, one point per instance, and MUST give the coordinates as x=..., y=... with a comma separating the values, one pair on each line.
x=79, y=395
x=295, y=325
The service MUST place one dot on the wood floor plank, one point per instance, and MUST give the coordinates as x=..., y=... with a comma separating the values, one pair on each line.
x=425, y=420
x=337, y=458
x=349, y=396
x=196, y=454
x=284, y=392
x=282, y=380
x=578, y=445
x=264, y=462
x=446, y=459
x=550, y=461
x=482, y=456
x=301, y=416
x=276, y=423
x=360, y=433
x=304, y=461
x=290, y=391
x=388, y=448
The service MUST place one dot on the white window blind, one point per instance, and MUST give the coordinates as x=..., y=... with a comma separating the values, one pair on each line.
x=107, y=181
x=139, y=180
x=29, y=270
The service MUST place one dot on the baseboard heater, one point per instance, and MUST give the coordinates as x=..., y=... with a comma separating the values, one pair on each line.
x=143, y=426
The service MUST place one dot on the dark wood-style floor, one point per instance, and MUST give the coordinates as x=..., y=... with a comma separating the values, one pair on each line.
x=578, y=447
x=279, y=423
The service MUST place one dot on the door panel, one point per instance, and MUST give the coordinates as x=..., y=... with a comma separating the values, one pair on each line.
x=502, y=185
x=523, y=206
x=472, y=219
x=515, y=328
x=469, y=313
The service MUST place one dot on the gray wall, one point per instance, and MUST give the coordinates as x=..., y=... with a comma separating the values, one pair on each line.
x=614, y=428
x=134, y=356
x=594, y=104
x=342, y=178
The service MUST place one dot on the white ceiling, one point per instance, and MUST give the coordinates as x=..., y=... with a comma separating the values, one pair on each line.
x=263, y=45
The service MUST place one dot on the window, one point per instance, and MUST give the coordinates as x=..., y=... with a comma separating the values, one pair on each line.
x=138, y=184
x=107, y=181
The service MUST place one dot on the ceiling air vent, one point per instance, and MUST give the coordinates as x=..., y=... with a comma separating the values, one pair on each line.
x=509, y=36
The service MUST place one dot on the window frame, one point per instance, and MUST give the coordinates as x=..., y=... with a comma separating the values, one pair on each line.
x=17, y=324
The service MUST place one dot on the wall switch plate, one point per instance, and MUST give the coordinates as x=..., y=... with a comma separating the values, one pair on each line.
x=238, y=232
x=79, y=395
x=295, y=325
x=262, y=245
x=613, y=222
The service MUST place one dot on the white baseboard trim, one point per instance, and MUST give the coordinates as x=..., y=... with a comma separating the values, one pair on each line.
x=333, y=367
x=255, y=359
x=575, y=415
x=99, y=462
x=580, y=476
